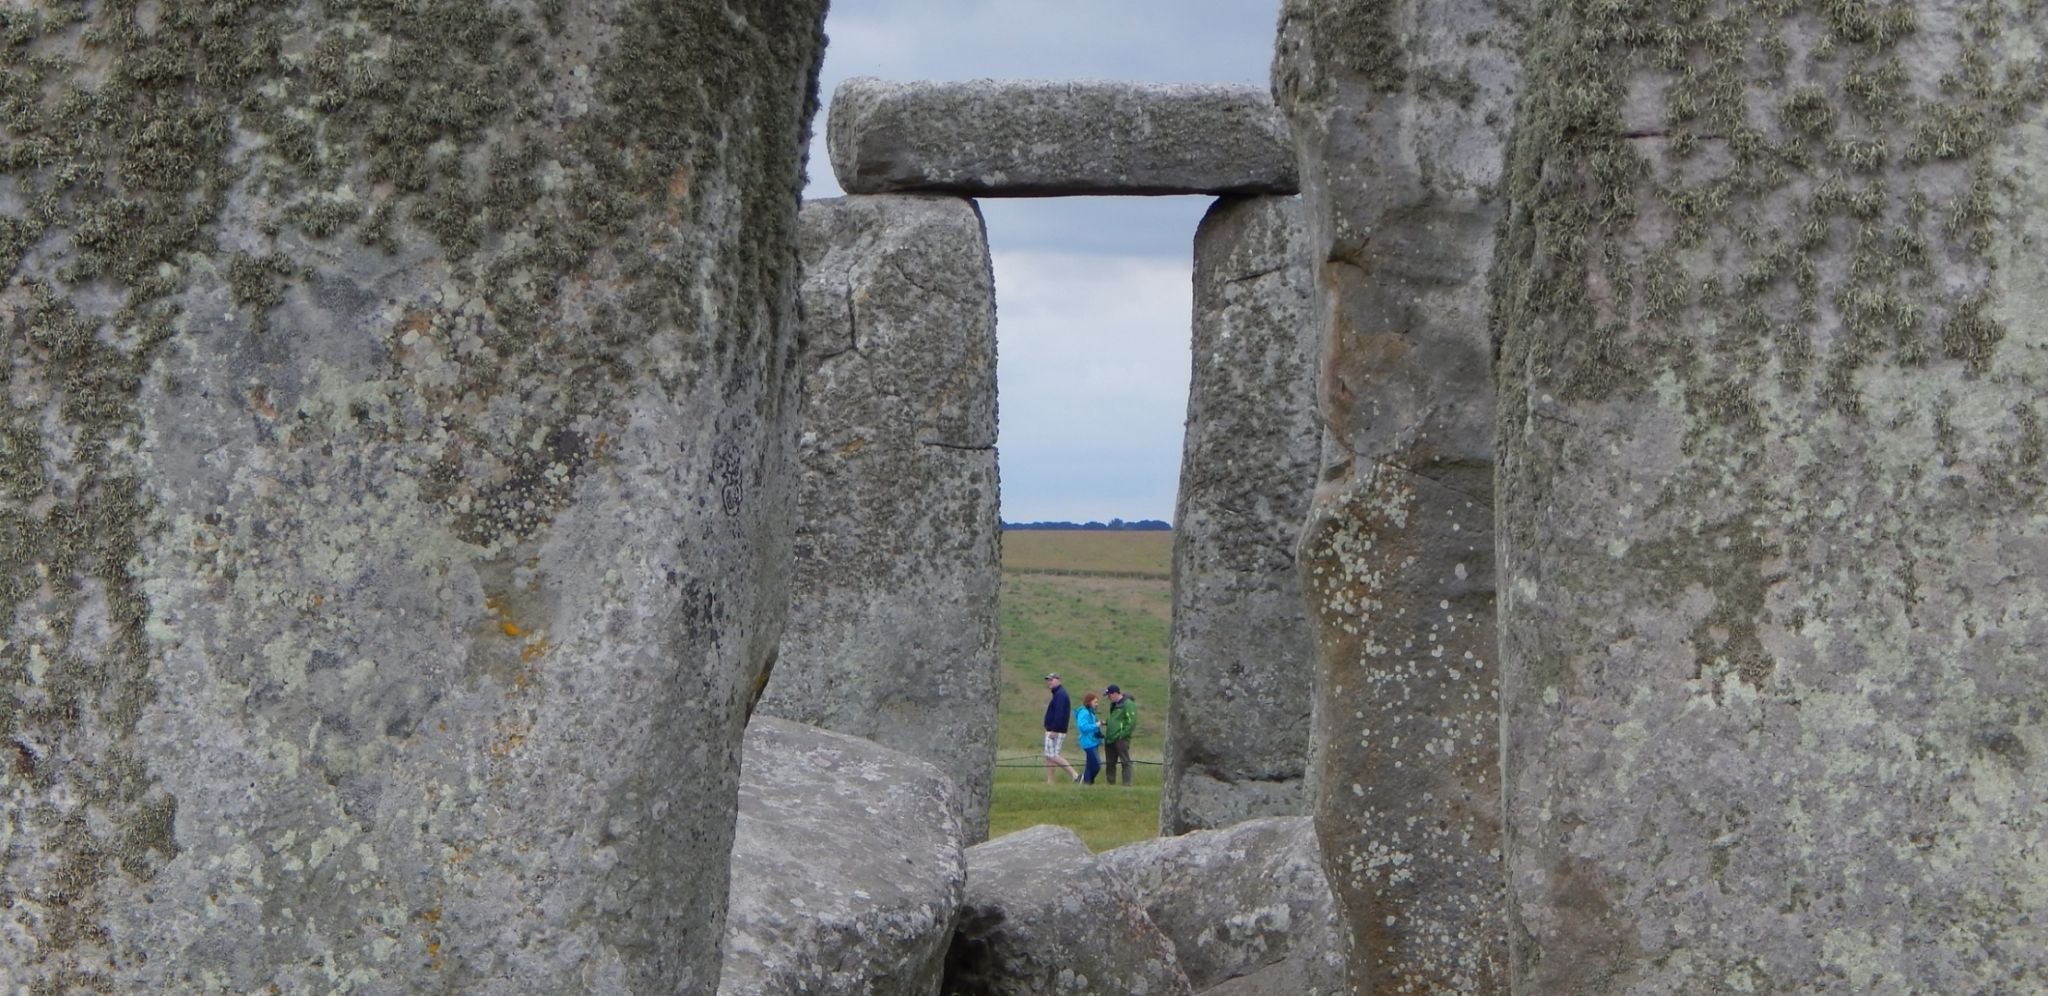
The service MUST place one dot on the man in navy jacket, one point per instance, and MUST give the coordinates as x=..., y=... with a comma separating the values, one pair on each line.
x=1057, y=712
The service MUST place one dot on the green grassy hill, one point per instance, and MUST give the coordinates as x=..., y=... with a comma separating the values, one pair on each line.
x=1097, y=608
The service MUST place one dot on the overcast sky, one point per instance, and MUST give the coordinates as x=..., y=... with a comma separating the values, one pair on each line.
x=1091, y=292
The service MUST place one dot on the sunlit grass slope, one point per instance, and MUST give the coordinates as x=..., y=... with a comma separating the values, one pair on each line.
x=1095, y=607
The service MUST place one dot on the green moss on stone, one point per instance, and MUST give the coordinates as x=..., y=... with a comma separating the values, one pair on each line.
x=1971, y=335
x=254, y=282
x=1804, y=247
x=124, y=171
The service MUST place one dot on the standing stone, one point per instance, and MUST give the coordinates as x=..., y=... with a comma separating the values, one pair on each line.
x=1039, y=138
x=397, y=446
x=1237, y=730
x=1399, y=113
x=1774, y=557
x=892, y=629
x=815, y=907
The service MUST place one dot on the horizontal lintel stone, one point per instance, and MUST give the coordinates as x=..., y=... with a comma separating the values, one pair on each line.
x=1039, y=138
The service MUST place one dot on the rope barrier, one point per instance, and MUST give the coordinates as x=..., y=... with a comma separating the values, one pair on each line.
x=1036, y=760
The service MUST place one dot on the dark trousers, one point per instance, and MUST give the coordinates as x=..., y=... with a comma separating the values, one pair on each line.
x=1094, y=765
x=1118, y=751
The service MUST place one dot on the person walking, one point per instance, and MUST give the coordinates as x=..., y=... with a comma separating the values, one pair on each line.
x=1091, y=737
x=1057, y=712
x=1117, y=731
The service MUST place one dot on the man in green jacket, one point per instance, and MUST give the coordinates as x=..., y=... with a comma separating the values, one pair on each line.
x=1116, y=733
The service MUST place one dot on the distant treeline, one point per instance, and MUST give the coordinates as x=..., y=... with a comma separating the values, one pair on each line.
x=1151, y=525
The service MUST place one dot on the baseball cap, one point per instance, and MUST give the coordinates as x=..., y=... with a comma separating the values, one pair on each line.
x=1110, y=689
x=1052, y=675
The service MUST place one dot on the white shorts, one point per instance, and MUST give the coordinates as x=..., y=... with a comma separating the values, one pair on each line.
x=1052, y=744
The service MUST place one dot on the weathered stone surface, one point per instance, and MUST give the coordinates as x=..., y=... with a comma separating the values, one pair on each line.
x=1774, y=563
x=892, y=620
x=398, y=457
x=1038, y=138
x=1242, y=666
x=1301, y=975
x=1400, y=112
x=1043, y=916
x=1242, y=902
x=847, y=867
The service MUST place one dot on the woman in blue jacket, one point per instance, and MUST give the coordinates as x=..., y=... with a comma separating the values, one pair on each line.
x=1091, y=737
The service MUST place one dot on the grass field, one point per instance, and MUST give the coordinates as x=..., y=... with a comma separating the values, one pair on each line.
x=1089, y=551
x=1095, y=607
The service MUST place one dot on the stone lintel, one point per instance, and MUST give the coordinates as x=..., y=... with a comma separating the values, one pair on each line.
x=1049, y=138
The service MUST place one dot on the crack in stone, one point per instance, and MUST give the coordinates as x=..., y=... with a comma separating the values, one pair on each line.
x=1256, y=274
x=852, y=330
x=1439, y=482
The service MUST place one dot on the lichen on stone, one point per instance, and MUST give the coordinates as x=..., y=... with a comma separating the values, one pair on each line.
x=154, y=155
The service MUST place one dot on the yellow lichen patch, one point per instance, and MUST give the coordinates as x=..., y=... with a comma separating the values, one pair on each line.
x=678, y=194
x=432, y=919
x=506, y=625
x=415, y=322
x=505, y=745
x=852, y=446
x=261, y=401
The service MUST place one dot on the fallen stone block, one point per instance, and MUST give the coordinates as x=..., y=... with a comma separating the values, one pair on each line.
x=892, y=617
x=1043, y=916
x=1039, y=138
x=1248, y=903
x=1242, y=660
x=847, y=867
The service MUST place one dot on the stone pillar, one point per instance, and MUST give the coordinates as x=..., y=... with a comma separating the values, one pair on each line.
x=1774, y=558
x=892, y=628
x=397, y=474
x=1237, y=730
x=1399, y=112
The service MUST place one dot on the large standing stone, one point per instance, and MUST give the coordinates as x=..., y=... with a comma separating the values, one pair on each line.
x=847, y=867
x=1043, y=917
x=892, y=628
x=398, y=430
x=1242, y=902
x=1237, y=731
x=1774, y=533
x=1037, y=138
x=1399, y=110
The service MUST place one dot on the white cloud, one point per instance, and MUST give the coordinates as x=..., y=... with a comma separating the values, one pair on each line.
x=1093, y=370
x=1153, y=40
